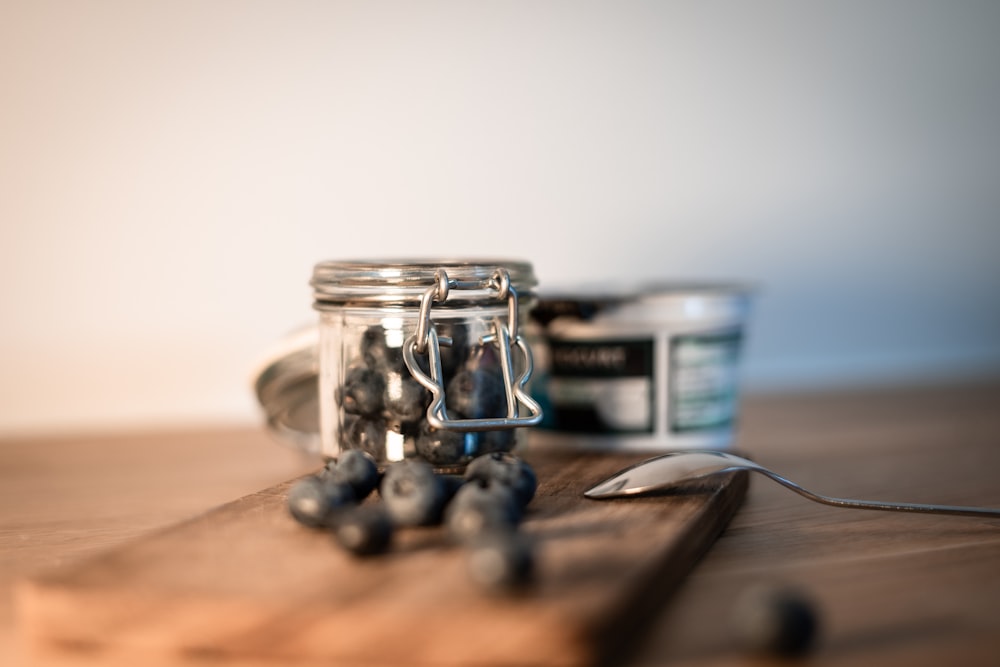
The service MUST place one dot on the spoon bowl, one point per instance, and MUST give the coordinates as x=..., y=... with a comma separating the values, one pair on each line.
x=667, y=471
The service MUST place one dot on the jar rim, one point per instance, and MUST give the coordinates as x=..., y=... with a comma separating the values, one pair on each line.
x=403, y=281
x=645, y=302
x=647, y=291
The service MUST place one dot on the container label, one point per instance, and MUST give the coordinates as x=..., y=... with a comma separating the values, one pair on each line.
x=703, y=381
x=601, y=387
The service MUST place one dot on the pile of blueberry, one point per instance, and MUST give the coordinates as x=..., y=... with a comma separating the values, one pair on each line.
x=480, y=510
x=379, y=395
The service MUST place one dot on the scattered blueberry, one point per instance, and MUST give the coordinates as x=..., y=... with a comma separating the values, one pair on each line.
x=357, y=468
x=478, y=508
x=364, y=530
x=505, y=469
x=501, y=561
x=412, y=493
x=775, y=619
x=313, y=501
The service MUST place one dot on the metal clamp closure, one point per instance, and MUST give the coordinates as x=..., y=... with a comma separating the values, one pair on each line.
x=505, y=336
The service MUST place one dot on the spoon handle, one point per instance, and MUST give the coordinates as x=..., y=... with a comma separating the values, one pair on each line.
x=955, y=510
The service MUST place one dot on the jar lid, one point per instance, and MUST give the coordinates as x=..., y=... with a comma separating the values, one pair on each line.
x=285, y=384
x=403, y=282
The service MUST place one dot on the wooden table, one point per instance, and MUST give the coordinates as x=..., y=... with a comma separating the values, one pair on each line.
x=892, y=589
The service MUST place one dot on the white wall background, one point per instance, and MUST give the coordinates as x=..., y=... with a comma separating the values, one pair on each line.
x=170, y=172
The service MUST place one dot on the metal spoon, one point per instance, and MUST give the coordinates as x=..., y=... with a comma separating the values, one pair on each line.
x=662, y=472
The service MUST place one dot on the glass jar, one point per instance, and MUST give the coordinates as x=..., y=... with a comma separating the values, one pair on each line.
x=423, y=359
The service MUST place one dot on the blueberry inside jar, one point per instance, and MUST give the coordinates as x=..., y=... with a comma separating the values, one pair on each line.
x=423, y=359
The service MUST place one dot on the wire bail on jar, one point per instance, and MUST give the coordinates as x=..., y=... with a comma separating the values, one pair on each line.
x=505, y=336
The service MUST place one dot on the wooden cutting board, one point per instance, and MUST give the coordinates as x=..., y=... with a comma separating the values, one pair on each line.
x=246, y=585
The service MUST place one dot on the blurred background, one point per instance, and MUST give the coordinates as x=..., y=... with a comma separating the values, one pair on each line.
x=171, y=171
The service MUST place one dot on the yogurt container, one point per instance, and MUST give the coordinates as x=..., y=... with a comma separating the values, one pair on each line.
x=652, y=368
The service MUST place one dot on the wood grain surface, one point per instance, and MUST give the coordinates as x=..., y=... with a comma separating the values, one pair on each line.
x=892, y=590
x=245, y=584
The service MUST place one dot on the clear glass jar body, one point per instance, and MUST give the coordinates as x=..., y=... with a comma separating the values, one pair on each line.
x=440, y=404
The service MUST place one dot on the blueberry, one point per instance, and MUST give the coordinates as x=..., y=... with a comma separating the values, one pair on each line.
x=476, y=393
x=481, y=507
x=356, y=468
x=361, y=393
x=440, y=446
x=478, y=443
x=338, y=493
x=365, y=434
x=450, y=485
x=423, y=363
x=505, y=469
x=501, y=561
x=313, y=501
x=499, y=440
x=307, y=502
x=775, y=619
x=485, y=357
x=405, y=400
x=452, y=356
x=377, y=353
x=412, y=493
x=364, y=530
